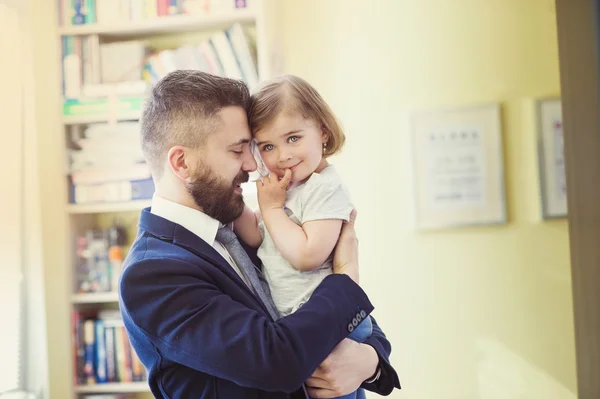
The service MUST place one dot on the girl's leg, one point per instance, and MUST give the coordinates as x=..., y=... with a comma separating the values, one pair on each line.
x=362, y=331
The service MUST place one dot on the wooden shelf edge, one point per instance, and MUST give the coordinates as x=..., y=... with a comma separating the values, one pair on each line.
x=95, y=297
x=119, y=387
x=108, y=207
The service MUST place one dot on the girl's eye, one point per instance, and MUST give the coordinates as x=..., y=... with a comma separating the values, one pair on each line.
x=268, y=147
x=238, y=152
x=293, y=139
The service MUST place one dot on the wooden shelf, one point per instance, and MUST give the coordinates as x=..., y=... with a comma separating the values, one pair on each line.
x=108, y=207
x=124, y=387
x=174, y=23
x=85, y=119
x=96, y=297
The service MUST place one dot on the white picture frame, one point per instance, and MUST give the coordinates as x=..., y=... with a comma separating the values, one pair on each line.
x=458, y=168
x=551, y=161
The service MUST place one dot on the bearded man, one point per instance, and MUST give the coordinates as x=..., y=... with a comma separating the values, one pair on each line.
x=196, y=309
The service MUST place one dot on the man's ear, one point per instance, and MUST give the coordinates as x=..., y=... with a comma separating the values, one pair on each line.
x=179, y=161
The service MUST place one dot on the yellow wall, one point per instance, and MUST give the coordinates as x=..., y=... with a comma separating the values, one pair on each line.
x=472, y=313
x=51, y=140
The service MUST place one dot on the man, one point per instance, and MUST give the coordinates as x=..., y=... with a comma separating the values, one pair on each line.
x=195, y=307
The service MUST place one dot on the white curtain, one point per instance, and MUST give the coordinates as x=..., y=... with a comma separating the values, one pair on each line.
x=15, y=80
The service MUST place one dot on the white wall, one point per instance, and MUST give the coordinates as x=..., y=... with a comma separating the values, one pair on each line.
x=472, y=313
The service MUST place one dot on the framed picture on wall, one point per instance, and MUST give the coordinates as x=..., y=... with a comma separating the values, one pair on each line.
x=553, y=183
x=457, y=163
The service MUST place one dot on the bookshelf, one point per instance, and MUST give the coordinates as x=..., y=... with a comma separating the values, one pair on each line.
x=259, y=19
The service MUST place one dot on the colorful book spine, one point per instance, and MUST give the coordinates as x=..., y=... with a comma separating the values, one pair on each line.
x=89, y=344
x=128, y=375
x=174, y=7
x=111, y=365
x=90, y=107
x=113, y=192
x=90, y=9
x=100, y=358
x=162, y=7
x=79, y=12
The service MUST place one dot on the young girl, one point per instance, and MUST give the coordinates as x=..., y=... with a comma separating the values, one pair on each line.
x=303, y=202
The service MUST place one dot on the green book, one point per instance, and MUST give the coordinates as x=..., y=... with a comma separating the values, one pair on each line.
x=90, y=8
x=99, y=106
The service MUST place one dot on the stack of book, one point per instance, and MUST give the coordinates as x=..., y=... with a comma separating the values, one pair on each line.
x=102, y=349
x=227, y=53
x=107, y=165
x=113, y=78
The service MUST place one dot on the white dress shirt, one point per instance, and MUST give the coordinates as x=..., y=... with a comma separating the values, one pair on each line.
x=197, y=222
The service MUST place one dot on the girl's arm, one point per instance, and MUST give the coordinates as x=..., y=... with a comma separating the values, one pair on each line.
x=246, y=227
x=308, y=246
x=305, y=247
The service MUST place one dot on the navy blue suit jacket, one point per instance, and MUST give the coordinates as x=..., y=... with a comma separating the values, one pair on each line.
x=201, y=333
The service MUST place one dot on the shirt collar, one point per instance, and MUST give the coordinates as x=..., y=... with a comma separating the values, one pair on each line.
x=194, y=220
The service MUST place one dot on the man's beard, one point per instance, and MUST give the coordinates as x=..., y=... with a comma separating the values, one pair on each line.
x=216, y=197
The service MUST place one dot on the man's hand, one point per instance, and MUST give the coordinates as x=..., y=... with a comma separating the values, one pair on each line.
x=272, y=191
x=344, y=370
x=345, y=255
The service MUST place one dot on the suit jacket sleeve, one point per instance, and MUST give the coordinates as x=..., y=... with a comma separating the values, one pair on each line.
x=192, y=322
x=388, y=379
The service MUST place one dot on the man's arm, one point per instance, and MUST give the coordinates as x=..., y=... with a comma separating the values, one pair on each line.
x=246, y=228
x=192, y=322
x=351, y=364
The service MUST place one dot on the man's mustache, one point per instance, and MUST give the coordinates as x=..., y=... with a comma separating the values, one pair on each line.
x=243, y=177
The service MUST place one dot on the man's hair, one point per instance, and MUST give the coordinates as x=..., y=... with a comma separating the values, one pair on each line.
x=181, y=110
x=290, y=93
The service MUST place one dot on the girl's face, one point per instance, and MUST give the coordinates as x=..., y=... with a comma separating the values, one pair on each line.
x=291, y=141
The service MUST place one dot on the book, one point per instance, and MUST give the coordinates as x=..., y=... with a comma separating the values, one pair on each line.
x=243, y=54
x=113, y=192
x=89, y=341
x=226, y=55
x=110, y=174
x=79, y=14
x=100, y=106
x=100, y=358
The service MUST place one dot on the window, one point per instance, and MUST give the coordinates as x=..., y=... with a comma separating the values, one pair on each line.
x=11, y=196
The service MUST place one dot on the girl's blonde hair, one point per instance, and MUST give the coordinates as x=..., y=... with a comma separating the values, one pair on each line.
x=291, y=93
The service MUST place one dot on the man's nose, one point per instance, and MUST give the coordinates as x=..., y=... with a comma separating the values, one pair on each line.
x=249, y=164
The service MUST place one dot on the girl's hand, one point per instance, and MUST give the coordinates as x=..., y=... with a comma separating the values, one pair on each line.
x=345, y=255
x=272, y=191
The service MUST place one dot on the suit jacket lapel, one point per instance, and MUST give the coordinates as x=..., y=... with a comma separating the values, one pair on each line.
x=182, y=237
